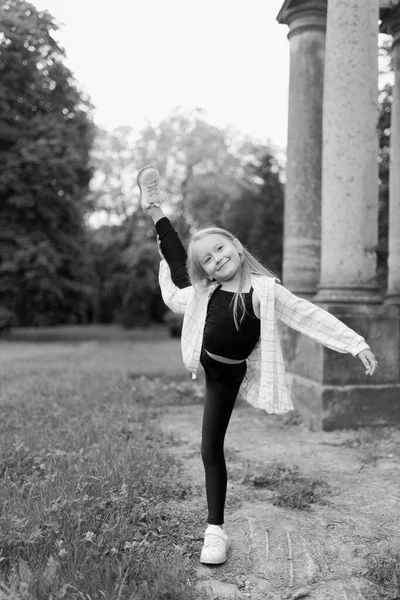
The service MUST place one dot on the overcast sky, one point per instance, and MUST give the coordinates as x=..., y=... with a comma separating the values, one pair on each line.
x=139, y=59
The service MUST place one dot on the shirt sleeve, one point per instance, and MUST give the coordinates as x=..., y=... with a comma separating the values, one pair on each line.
x=316, y=323
x=175, y=298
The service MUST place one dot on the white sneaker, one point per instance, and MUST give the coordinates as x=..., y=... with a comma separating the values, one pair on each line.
x=216, y=546
x=150, y=195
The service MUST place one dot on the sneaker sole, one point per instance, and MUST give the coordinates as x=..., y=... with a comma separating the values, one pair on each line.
x=138, y=181
x=142, y=170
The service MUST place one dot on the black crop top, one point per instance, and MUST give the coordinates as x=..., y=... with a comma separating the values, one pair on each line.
x=220, y=334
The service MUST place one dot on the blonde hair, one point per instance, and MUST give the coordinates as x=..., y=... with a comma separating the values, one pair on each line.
x=249, y=265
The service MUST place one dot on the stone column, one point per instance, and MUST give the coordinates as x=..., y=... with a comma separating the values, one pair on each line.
x=329, y=389
x=393, y=291
x=302, y=222
x=350, y=148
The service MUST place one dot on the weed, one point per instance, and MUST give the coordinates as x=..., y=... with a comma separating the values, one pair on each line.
x=290, y=488
x=383, y=570
x=373, y=444
x=292, y=418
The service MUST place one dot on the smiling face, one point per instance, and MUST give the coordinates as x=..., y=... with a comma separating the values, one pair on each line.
x=219, y=257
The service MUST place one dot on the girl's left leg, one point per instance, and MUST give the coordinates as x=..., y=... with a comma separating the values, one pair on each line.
x=222, y=386
x=218, y=406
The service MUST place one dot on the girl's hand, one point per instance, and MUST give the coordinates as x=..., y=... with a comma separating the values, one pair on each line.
x=369, y=361
x=159, y=248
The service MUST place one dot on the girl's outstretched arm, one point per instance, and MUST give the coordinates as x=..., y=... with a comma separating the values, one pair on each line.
x=321, y=326
x=369, y=361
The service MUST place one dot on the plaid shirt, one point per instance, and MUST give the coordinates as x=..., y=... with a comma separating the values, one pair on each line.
x=265, y=385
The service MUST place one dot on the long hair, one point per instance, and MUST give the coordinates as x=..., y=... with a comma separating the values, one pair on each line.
x=249, y=265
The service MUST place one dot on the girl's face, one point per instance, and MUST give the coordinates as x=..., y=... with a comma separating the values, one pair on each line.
x=218, y=256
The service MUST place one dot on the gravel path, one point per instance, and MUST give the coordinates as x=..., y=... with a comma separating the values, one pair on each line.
x=279, y=553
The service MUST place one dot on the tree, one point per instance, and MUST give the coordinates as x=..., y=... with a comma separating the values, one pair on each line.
x=385, y=107
x=256, y=216
x=113, y=193
x=180, y=145
x=248, y=201
x=45, y=138
x=211, y=175
x=383, y=160
x=125, y=261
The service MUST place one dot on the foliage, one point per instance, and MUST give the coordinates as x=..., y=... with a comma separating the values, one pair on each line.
x=383, y=570
x=6, y=321
x=384, y=160
x=385, y=104
x=211, y=175
x=176, y=145
x=45, y=137
x=107, y=244
x=256, y=217
x=125, y=261
x=115, y=169
x=290, y=488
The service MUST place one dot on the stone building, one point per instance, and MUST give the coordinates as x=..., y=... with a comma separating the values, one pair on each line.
x=331, y=207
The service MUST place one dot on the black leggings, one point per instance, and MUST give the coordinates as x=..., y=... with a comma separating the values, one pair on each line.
x=222, y=386
x=174, y=252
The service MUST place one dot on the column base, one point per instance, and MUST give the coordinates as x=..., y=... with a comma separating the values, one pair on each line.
x=329, y=408
x=392, y=299
x=351, y=295
x=302, y=292
x=330, y=390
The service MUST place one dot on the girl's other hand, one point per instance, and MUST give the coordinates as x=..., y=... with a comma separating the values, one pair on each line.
x=369, y=361
x=159, y=248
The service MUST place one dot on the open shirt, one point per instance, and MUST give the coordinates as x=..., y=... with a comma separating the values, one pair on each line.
x=265, y=384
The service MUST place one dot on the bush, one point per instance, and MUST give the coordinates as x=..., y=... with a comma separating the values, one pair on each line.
x=7, y=320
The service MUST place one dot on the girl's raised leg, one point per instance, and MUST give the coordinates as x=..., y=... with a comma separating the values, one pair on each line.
x=171, y=247
x=151, y=197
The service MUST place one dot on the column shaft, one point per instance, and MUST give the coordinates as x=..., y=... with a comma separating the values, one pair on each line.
x=350, y=148
x=302, y=222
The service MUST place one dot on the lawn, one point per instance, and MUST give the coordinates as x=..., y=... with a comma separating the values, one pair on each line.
x=91, y=501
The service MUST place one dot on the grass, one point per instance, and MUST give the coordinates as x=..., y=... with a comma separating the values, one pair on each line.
x=382, y=571
x=91, y=503
x=159, y=391
x=290, y=488
x=374, y=443
x=81, y=333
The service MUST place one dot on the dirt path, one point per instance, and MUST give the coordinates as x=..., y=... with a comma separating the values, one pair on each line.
x=281, y=553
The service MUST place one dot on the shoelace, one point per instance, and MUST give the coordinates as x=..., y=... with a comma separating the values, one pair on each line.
x=152, y=188
x=214, y=541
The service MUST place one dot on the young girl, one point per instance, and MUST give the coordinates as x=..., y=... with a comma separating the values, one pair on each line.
x=231, y=304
